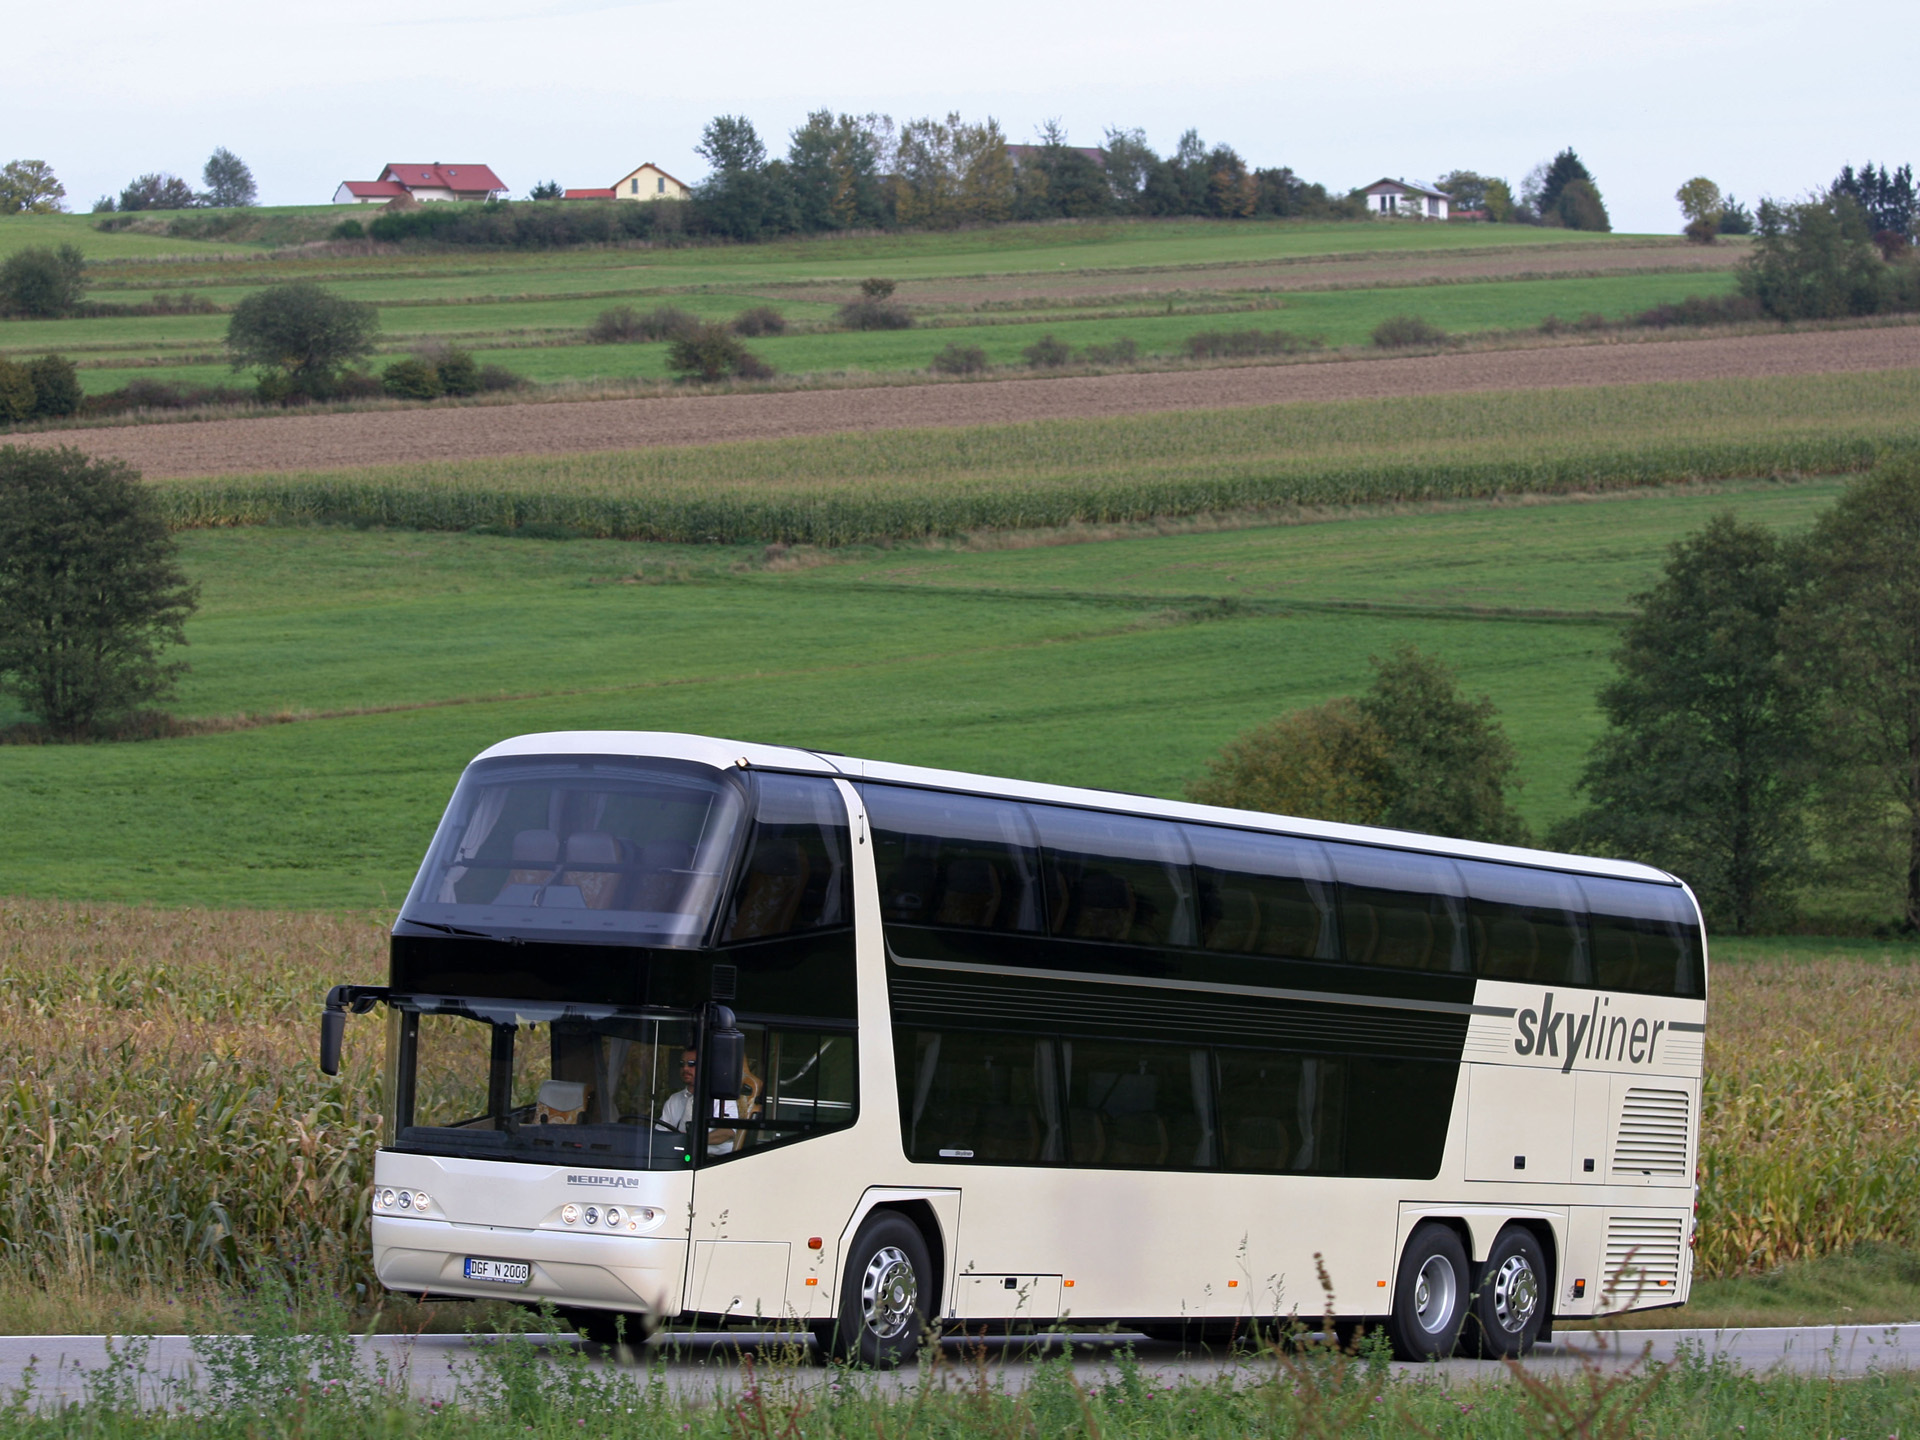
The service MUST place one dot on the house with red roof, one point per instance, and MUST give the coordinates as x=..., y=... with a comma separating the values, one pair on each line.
x=423, y=183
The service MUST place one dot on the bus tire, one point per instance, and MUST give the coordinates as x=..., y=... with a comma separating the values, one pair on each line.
x=1429, y=1295
x=1511, y=1302
x=607, y=1327
x=887, y=1295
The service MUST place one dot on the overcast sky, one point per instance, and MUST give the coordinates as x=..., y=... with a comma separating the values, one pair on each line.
x=1763, y=96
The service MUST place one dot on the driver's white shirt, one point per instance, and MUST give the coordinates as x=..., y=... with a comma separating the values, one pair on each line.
x=678, y=1113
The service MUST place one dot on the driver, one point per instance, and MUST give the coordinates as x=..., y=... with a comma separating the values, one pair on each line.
x=677, y=1112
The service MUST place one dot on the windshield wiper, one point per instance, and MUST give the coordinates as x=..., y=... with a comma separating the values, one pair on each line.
x=456, y=930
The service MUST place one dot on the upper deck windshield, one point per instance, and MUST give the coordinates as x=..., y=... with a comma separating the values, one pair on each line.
x=581, y=847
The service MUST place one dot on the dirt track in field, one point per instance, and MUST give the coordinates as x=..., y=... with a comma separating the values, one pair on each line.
x=329, y=442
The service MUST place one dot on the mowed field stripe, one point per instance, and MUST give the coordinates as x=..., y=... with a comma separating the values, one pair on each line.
x=333, y=441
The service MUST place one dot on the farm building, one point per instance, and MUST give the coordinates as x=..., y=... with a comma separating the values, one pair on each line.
x=423, y=182
x=1409, y=202
x=649, y=182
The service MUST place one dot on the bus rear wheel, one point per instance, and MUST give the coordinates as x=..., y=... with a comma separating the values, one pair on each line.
x=607, y=1327
x=1429, y=1295
x=886, y=1295
x=1511, y=1304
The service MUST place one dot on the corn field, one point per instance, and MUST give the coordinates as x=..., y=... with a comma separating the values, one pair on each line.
x=909, y=484
x=165, y=1124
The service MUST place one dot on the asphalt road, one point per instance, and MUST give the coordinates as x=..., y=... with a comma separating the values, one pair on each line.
x=439, y=1366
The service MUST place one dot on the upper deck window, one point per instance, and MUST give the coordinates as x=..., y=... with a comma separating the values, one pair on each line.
x=621, y=850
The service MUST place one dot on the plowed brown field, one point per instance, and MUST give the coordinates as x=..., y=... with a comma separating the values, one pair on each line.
x=337, y=441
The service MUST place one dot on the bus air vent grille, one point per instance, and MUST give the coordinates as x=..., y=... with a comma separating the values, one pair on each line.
x=1652, y=1139
x=1643, y=1258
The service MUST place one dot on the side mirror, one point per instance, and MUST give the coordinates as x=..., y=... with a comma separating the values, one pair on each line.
x=343, y=1000
x=726, y=1056
x=333, y=1025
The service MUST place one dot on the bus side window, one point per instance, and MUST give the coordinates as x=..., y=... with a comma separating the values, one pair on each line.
x=1279, y=1111
x=992, y=1099
x=796, y=875
x=1527, y=924
x=960, y=862
x=1401, y=910
x=1263, y=894
x=1645, y=938
x=1118, y=878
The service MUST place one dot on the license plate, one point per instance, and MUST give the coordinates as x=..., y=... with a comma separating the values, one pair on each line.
x=502, y=1272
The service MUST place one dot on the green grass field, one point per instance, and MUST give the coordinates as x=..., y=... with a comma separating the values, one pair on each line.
x=1121, y=662
x=999, y=288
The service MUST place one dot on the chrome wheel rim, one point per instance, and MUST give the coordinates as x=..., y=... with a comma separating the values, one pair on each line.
x=1516, y=1293
x=1434, y=1292
x=889, y=1293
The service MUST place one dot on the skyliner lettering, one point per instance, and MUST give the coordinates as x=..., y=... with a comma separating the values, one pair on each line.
x=1592, y=1036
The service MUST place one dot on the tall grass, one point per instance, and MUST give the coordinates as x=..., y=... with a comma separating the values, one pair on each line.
x=841, y=489
x=163, y=1123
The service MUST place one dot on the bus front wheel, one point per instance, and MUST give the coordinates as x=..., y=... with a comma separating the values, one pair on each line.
x=886, y=1295
x=1511, y=1303
x=1429, y=1295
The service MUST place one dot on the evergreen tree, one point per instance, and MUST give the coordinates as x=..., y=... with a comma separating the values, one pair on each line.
x=1702, y=768
x=1561, y=170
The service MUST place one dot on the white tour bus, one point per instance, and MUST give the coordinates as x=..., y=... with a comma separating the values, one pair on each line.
x=972, y=1051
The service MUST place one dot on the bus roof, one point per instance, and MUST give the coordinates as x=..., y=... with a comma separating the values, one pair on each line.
x=726, y=754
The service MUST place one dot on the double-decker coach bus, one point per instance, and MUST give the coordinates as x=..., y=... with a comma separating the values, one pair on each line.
x=688, y=1029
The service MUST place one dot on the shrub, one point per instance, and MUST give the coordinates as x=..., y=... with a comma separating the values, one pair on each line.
x=957, y=359
x=42, y=283
x=624, y=325
x=1701, y=310
x=1402, y=331
x=1224, y=344
x=159, y=191
x=458, y=373
x=56, y=386
x=713, y=352
x=411, y=379
x=498, y=377
x=760, y=320
x=1124, y=351
x=348, y=230
x=876, y=289
x=1047, y=353
x=162, y=395
x=1591, y=321
x=352, y=385
x=16, y=393
x=870, y=313
x=1705, y=230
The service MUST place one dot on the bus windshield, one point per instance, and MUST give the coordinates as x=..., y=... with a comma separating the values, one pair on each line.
x=584, y=847
x=501, y=1080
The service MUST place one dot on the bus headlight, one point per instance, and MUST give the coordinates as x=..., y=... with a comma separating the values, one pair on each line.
x=406, y=1200
x=615, y=1215
x=570, y=1214
x=593, y=1214
x=385, y=1199
x=421, y=1200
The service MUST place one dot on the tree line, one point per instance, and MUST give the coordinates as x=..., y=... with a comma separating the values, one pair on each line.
x=1762, y=726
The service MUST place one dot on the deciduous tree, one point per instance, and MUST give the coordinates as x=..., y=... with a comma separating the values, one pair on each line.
x=228, y=180
x=29, y=187
x=1413, y=753
x=158, y=191
x=1702, y=769
x=1702, y=205
x=300, y=332
x=1814, y=260
x=43, y=283
x=1854, y=637
x=90, y=595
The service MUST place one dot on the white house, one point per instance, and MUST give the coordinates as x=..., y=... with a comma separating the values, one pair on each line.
x=423, y=182
x=1409, y=202
x=649, y=182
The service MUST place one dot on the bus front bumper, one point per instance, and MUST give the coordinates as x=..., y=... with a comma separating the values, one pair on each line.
x=620, y=1272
